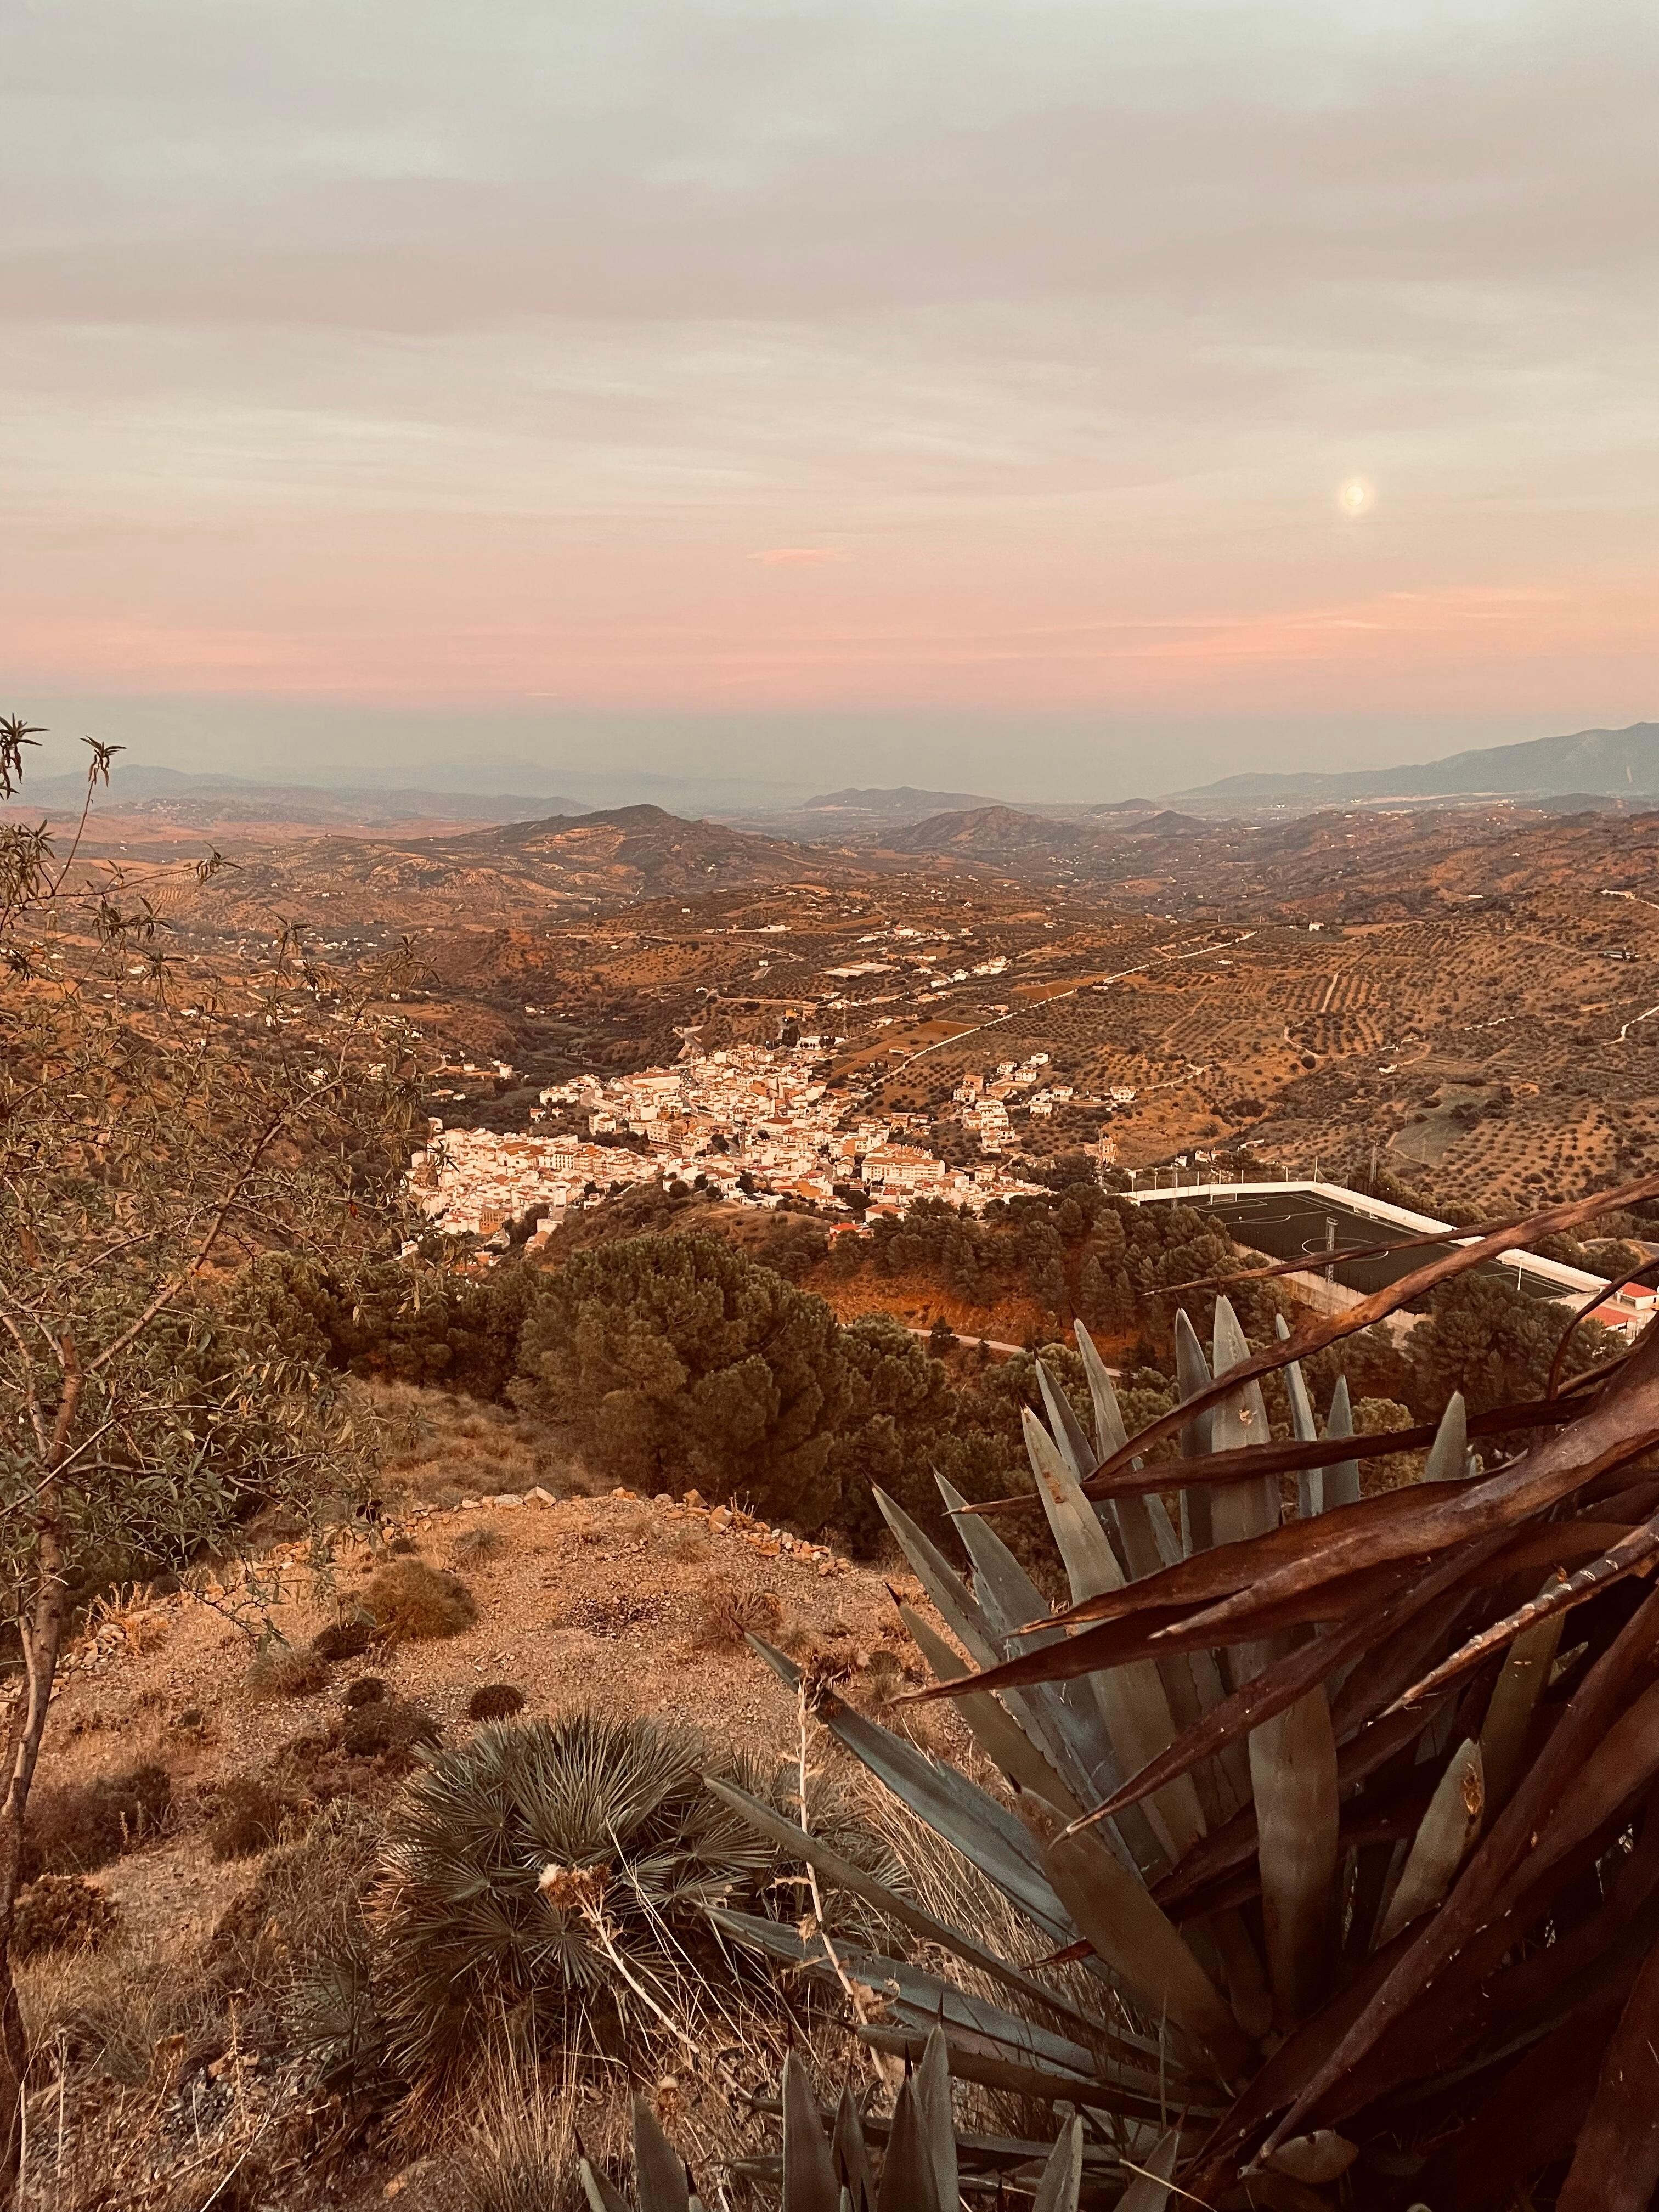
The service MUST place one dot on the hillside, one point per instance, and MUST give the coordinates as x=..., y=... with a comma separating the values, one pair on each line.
x=159, y=795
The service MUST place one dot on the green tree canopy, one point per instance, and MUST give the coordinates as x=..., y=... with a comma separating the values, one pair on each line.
x=680, y=1362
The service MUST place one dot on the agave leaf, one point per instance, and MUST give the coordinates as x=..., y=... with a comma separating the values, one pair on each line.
x=1298, y=1820
x=950, y=1805
x=1062, y=2178
x=1448, y=1455
x=852, y=2158
x=1132, y=1698
x=1310, y=1484
x=1192, y=1380
x=809, y=2170
x=1063, y=1719
x=1341, y=1483
x=1149, y=2191
x=937, y=2118
x=1135, y=1937
x=1239, y=1418
x=601, y=2197
x=1090, y=1561
x=659, y=2169
x=907, y=2181
x=1523, y=1681
x=969, y=2062
x=1110, y=1432
x=1072, y=1445
x=1000, y=1738
x=1443, y=1837
x=950, y=1594
x=845, y=1874
x=923, y=2001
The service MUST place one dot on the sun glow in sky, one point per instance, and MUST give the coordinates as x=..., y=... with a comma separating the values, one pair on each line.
x=746, y=363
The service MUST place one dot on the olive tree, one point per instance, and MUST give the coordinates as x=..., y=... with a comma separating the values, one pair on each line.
x=151, y=1157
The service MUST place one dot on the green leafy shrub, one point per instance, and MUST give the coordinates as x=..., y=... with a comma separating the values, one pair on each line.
x=495, y=1701
x=75, y=1826
x=526, y=1871
x=414, y=1603
x=61, y=1912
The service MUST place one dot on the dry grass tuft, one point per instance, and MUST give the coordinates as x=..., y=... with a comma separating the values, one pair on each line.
x=730, y=1612
x=249, y=1819
x=75, y=1826
x=414, y=1603
x=367, y=1690
x=282, y=1671
x=520, y=2156
x=390, y=1725
x=476, y=1543
x=495, y=1701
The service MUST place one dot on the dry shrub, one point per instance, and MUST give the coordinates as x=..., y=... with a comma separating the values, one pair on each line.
x=730, y=1612
x=404, y=1547
x=522, y=2152
x=367, y=1690
x=62, y=1912
x=414, y=1603
x=479, y=1543
x=75, y=1826
x=343, y=1639
x=495, y=1701
x=390, y=1725
x=281, y=1671
x=249, y=1819
x=108, y=2009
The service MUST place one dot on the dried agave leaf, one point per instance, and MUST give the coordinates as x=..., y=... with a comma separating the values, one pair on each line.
x=1406, y=1291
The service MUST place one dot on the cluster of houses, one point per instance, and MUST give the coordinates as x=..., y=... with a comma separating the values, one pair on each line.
x=754, y=1123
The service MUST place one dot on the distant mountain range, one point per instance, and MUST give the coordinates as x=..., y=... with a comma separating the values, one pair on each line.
x=193, y=801
x=1591, y=764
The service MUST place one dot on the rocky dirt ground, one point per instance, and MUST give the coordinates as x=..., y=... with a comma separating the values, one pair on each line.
x=633, y=1604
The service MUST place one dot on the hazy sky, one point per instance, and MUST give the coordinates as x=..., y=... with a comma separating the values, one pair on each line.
x=829, y=390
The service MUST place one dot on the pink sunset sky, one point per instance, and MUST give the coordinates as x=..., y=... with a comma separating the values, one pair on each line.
x=1052, y=396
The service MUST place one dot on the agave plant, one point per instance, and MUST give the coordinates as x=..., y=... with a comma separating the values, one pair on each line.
x=915, y=2170
x=1360, y=1868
